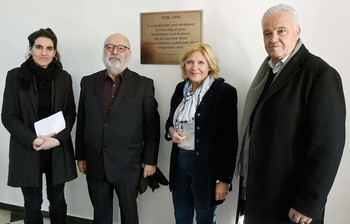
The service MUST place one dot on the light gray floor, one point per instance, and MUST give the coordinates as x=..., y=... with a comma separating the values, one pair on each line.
x=5, y=218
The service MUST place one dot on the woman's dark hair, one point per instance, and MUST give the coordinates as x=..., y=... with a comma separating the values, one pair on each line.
x=48, y=33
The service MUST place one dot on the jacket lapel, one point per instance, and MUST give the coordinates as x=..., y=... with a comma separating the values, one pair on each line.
x=99, y=82
x=288, y=72
x=210, y=92
x=33, y=96
x=55, y=98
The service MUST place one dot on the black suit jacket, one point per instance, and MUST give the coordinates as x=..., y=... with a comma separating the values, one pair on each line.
x=297, y=140
x=117, y=145
x=19, y=112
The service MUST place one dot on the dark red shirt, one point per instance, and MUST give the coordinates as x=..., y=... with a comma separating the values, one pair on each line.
x=110, y=91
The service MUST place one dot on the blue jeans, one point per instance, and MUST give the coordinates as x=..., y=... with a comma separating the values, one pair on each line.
x=183, y=195
x=55, y=194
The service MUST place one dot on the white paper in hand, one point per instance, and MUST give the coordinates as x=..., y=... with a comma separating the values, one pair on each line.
x=52, y=124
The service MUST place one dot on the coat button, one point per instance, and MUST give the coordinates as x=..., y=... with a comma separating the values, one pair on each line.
x=198, y=114
x=198, y=128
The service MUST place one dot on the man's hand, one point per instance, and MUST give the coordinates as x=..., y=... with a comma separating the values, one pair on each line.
x=148, y=170
x=81, y=164
x=297, y=217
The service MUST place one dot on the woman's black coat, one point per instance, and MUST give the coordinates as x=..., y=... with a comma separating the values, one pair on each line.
x=19, y=112
x=215, y=140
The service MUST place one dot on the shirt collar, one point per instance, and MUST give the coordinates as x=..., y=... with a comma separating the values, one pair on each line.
x=278, y=67
x=121, y=75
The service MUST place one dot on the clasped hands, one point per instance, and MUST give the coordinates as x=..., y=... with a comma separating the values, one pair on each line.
x=45, y=142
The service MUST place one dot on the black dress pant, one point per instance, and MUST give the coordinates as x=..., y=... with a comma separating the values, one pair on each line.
x=55, y=194
x=101, y=195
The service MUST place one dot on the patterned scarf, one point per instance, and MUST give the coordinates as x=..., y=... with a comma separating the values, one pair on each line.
x=187, y=108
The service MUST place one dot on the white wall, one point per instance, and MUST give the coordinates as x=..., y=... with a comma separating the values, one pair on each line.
x=231, y=27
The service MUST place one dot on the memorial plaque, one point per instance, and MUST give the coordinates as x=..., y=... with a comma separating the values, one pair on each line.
x=164, y=35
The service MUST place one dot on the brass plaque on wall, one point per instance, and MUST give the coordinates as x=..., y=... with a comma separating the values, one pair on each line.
x=164, y=35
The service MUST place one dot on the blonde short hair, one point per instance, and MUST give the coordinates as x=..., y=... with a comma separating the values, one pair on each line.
x=209, y=55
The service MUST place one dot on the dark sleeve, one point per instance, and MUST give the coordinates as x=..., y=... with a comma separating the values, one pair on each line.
x=323, y=152
x=69, y=110
x=151, y=126
x=227, y=133
x=79, y=138
x=11, y=113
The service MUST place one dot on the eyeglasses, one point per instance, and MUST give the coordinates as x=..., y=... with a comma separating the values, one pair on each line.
x=120, y=48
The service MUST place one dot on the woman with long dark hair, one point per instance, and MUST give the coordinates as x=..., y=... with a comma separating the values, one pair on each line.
x=35, y=90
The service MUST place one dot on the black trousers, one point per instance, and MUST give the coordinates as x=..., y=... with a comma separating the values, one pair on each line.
x=55, y=194
x=101, y=195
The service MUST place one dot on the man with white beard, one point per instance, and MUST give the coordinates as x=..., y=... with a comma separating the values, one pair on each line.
x=118, y=131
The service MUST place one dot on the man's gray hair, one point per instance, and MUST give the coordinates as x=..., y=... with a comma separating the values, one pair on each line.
x=280, y=8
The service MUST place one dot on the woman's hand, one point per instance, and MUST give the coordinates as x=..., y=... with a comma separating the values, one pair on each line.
x=221, y=190
x=47, y=142
x=177, y=137
x=37, y=142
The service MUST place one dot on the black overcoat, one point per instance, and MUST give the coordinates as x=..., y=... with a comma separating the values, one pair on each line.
x=297, y=140
x=19, y=112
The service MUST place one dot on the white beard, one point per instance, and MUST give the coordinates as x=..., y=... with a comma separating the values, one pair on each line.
x=115, y=67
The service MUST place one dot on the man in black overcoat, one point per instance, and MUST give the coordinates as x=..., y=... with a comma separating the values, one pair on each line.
x=293, y=129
